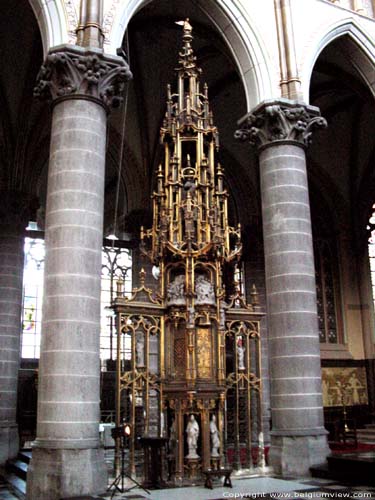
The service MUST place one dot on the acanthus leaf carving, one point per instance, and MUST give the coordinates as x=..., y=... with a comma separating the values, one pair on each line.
x=70, y=71
x=280, y=121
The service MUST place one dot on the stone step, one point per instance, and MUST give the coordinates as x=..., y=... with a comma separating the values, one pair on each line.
x=366, y=432
x=349, y=468
x=366, y=436
x=356, y=468
x=17, y=467
x=17, y=484
x=25, y=456
x=322, y=471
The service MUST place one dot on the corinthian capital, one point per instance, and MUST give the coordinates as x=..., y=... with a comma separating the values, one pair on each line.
x=70, y=71
x=280, y=121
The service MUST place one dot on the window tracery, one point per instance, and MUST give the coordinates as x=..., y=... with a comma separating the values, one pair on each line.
x=116, y=265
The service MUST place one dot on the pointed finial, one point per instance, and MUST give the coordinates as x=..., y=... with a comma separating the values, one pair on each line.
x=120, y=287
x=187, y=58
x=254, y=296
x=186, y=26
x=142, y=276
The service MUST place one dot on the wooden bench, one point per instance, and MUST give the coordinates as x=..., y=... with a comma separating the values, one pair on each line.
x=223, y=472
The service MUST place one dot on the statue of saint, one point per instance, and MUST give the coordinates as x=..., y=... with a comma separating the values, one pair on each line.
x=192, y=432
x=140, y=350
x=172, y=438
x=355, y=386
x=215, y=441
x=204, y=291
x=223, y=306
x=240, y=355
x=176, y=291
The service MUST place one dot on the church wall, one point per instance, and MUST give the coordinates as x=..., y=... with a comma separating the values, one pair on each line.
x=351, y=300
x=252, y=36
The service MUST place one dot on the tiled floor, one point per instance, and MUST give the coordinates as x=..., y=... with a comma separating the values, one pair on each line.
x=267, y=488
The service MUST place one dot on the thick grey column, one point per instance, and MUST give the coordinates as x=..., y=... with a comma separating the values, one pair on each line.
x=281, y=130
x=67, y=459
x=13, y=220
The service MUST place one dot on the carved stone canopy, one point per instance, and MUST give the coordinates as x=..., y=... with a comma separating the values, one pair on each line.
x=72, y=71
x=280, y=121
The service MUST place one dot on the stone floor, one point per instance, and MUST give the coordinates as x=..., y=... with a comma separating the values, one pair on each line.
x=259, y=488
x=267, y=488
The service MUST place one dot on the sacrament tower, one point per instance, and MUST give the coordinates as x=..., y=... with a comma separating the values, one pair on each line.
x=189, y=352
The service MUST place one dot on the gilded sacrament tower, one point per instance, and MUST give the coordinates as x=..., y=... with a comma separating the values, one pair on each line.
x=193, y=370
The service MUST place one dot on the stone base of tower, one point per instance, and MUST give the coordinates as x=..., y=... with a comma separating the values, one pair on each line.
x=9, y=442
x=294, y=455
x=55, y=474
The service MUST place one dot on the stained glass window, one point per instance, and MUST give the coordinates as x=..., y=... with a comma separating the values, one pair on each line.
x=116, y=264
x=32, y=296
x=327, y=293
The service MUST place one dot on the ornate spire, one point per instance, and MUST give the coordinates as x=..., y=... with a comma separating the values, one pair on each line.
x=192, y=341
x=190, y=203
x=187, y=60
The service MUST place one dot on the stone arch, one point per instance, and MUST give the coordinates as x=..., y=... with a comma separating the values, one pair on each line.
x=360, y=46
x=244, y=41
x=54, y=22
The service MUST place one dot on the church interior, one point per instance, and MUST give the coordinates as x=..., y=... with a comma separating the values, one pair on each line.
x=187, y=239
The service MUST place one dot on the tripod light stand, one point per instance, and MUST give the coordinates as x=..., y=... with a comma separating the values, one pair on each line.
x=122, y=434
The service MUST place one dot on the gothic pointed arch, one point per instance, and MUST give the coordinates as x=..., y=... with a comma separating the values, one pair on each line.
x=360, y=51
x=242, y=37
x=56, y=20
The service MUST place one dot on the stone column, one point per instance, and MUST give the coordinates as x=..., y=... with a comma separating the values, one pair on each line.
x=281, y=130
x=67, y=460
x=13, y=220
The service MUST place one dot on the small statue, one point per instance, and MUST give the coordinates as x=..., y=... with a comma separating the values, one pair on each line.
x=176, y=291
x=215, y=441
x=192, y=431
x=191, y=317
x=261, y=459
x=172, y=438
x=223, y=306
x=204, y=291
x=140, y=351
x=241, y=355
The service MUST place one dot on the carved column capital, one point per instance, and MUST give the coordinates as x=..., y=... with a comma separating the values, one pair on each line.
x=75, y=72
x=16, y=208
x=280, y=121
